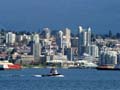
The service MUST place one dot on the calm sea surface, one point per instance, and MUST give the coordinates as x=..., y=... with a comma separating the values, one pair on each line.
x=75, y=79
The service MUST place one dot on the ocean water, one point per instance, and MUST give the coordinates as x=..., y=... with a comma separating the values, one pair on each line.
x=74, y=79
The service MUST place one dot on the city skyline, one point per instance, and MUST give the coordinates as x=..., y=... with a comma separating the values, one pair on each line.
x=59, y=44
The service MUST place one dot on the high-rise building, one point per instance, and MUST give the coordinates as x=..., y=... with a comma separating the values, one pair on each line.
x=67, y=37
x=94, y=50
x=89, y=36
x=69, y=54
x=84, y=41
x=36, y=48
x=10, y=38
x=74, y=42
x=46, y=33
x=59, y=39
x=36, y=38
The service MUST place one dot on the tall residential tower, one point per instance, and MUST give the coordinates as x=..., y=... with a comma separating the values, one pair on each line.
x=84, y=41
x=36, y=48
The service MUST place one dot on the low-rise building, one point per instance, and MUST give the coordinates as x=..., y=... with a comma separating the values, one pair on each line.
x=25, y=60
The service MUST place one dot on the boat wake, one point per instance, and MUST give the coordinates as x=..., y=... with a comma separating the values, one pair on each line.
x=37, y=75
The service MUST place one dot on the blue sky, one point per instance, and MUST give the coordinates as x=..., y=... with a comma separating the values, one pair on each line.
x=101, y=16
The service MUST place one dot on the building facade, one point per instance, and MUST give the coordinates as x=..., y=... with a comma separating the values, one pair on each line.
x=84, y=41
x=10, y=38
x=36, y=48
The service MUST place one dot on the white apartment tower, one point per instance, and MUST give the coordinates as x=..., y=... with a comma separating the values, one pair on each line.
x=10, y=38
x=94, y=51
x=84, y=41
x=60, y=39
x=36, y=48
x=67, y=35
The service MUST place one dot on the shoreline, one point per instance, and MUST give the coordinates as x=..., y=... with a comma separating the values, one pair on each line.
x=38, y=66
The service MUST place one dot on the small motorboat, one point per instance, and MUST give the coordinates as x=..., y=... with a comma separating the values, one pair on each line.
x=49, y=75
x=53, y=73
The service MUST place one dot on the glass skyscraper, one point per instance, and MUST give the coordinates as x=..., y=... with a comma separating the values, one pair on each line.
x=84, y=41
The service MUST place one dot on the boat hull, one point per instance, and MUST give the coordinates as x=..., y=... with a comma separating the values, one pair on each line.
x=10, y=67
x=108, y=68
x=49, y=75
x=52, y=75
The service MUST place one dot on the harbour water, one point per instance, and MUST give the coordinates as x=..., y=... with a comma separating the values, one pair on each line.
x=75, y=79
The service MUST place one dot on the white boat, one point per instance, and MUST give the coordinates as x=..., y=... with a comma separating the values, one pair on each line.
x=53, y=73
x=49, y=75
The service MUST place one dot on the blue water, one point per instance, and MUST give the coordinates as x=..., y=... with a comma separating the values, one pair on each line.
x=33, y=15
x=75, y=79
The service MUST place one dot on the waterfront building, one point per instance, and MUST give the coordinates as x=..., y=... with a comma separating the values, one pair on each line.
x=10, y=38
x=59, y=56
x=58, y=59
x=94, y=50
x=108, y=58
x=25, y=59
x=84, y=41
